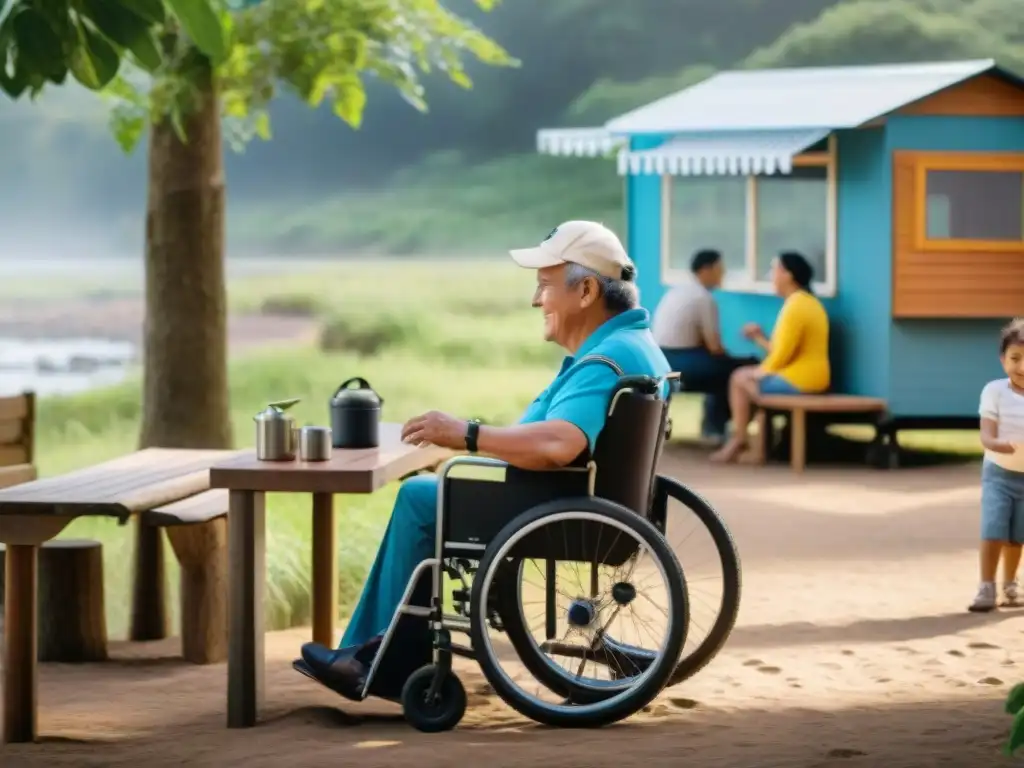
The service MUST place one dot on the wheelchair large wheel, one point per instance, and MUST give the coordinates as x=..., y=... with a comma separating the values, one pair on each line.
x=714, y=577
x=617, y=554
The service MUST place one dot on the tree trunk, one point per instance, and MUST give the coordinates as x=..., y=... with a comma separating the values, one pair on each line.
x=72, y=617
x=185, y=393
x=185, y=387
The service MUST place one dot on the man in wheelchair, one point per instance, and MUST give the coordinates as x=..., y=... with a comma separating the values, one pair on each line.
x=587, y=293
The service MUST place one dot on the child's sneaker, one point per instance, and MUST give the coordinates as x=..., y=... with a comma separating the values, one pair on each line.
x=1011, y=594
x=985, y=600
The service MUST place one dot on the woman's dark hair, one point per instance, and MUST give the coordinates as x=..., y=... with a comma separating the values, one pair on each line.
x=1012, y=335
x=798, y=267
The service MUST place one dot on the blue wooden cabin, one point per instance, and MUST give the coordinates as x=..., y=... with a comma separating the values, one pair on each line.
x=903, y=184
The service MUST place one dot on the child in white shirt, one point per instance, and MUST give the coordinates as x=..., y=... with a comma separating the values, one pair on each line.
x=1002, y=474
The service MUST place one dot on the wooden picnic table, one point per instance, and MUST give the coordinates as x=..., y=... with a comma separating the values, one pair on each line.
x=35, y=512
x=248, y=480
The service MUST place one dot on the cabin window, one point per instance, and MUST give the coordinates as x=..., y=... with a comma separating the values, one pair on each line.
x=791, y=215
x=750, y=220
x=957, y=234
x=708, y=212
x=969, y=202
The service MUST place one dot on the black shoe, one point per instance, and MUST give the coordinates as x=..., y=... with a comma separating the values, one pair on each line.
x=343, y=670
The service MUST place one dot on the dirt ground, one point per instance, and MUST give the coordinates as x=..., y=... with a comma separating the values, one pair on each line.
x=852, y=648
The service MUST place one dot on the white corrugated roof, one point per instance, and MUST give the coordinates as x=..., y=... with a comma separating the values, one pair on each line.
x=804, y=97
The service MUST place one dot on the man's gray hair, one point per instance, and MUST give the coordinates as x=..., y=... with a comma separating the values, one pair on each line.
x=619, y=295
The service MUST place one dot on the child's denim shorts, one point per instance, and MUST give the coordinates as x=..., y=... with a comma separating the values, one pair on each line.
x=1002, y=504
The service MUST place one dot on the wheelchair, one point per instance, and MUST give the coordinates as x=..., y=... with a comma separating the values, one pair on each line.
x=597, y=525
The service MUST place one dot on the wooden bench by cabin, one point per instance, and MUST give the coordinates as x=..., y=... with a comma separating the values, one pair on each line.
x=17, y=439
x=197, y=529
x=796, y=408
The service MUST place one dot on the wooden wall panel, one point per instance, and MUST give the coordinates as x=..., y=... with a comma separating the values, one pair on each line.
x=946, y=284
x=982, y=96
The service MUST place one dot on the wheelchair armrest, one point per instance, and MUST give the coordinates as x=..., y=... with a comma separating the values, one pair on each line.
x=473, y=509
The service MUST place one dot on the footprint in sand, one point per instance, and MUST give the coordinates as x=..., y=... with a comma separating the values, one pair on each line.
x=907, y=650
x=980, y=645
x=753, y=663
x=769, y=670
x=883, y=680
x=681, y=703
x=954, y=652
x=846, y=753
x=846, y=652
x=990, y=681
x=830, y=665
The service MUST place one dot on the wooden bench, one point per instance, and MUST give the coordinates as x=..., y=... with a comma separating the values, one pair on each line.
x=796, y=408
x=17, y=439
x=197, y=529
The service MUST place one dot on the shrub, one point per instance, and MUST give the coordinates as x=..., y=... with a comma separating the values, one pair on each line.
x=292, y=305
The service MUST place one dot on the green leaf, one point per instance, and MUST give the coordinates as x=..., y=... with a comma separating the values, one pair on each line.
x=151, y=10
x=126, y=29
x=1015, y=701
x=1016, y=740
x=203, y=26
x=350, y=100
x=94, y=62
x=39, y=45
x=262, y=126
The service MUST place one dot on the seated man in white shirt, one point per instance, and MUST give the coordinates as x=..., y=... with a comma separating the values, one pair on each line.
x=686, y=328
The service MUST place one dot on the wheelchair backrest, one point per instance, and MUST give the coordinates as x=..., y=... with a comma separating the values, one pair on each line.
x=630, y=443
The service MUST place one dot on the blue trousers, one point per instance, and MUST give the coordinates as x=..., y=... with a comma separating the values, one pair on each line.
x=408, y=541
x=701, y=371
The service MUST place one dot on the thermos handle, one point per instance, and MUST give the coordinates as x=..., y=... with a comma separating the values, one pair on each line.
x=363, y=384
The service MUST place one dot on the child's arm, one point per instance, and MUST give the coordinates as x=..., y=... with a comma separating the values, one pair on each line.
x=990, y=437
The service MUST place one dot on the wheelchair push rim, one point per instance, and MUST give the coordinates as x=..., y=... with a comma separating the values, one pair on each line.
x=583, y=615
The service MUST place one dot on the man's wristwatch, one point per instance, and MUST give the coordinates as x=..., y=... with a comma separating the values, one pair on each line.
x=472, y=434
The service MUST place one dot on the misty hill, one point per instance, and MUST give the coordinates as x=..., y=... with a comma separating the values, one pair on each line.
x=457, y=177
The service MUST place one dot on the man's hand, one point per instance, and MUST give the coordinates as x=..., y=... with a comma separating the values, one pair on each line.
x=435, y=428
x=752, y=331
x=999, y=446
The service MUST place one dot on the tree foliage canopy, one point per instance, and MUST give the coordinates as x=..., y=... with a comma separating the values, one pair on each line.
x=42, y=41
x=143, y=53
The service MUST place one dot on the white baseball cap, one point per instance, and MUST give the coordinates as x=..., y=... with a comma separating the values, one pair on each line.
x=586, y=243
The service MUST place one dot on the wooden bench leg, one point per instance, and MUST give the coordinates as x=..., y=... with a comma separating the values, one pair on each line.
x=759, y=451
x=149, y=595
x=20, y=663
x=798, y=440
x=247, y=555
x=325, y=569
x=202, y=553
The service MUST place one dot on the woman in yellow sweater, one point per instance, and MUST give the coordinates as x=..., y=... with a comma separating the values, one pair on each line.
x=797, y=360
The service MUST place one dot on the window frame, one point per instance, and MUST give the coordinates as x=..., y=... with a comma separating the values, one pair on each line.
x=960, y=161
x=749, y=281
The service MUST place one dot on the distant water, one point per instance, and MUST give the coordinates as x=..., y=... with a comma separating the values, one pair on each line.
x=62, y=366
x=68, y=366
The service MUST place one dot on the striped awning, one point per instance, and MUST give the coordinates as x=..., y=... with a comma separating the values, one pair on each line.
x=723, y=154
x=578, y=142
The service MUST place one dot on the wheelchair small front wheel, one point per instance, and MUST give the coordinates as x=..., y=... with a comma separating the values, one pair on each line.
x=433, y=713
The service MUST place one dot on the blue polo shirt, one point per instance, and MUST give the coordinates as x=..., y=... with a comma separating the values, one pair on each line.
x=582, y=390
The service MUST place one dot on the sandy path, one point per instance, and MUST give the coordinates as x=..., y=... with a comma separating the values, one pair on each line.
x=852, y=649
